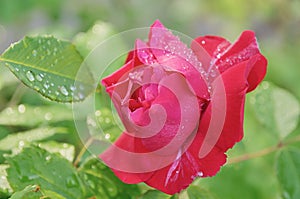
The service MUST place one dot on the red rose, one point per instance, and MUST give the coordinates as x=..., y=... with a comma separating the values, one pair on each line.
x=182, y=108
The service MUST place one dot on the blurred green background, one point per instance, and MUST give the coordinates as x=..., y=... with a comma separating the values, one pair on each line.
x=276, y=23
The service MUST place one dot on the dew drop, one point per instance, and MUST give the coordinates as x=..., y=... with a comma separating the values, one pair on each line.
x=48, y=158
x=30, y=76
x=39, y=78
x=48, y=116
x=107, y=136
x=46, y=85
x=71, y=182
x=81, y=96
x=72, y=88
x=64, y=91
x=98, y=113
x=21, y=144
x=200, y=174
x=34, y=53
x=203, y=42
x=21, y=108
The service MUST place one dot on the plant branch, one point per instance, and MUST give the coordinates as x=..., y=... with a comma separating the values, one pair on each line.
x=263, y=152
x=82, y=151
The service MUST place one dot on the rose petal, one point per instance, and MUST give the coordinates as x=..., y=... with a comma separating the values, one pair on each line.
x=257, y=72
x=131, y=144
x=181, y=173
x=176, y=56
x=235, y=83
x=117, y=77
x=242, y=50
x=210, y=44
x=223, y=55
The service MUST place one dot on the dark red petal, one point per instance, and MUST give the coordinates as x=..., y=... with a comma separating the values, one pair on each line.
x=181, y=173
x=110, y=81
x=258, y=72
x=235, y=84
x=243, y=49
x=210, y=44
x=176, y=56
x=131, y=144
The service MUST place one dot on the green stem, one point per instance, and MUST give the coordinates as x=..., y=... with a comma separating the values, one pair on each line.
x=263, y=152
x=82, y=151
x=15, y=99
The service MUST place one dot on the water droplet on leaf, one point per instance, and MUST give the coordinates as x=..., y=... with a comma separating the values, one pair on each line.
x=30, y=76
x=64, y=91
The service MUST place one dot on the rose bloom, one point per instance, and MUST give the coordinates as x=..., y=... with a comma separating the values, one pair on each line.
x=182, y=108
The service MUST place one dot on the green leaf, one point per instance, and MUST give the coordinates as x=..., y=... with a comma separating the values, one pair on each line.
x=195, y=192
x=49, y=66
x=25, y=115
x=5, y=188
x=21, y=139
x=24, y=193
x=276, y=108
x=103, y=184
x=154, y=194
x=288, y=173
x=50, y=171
x=64, y=149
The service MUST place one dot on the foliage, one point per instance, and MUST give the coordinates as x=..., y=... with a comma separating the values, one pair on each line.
x=41, y=155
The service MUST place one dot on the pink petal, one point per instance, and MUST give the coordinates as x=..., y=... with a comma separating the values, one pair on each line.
x=176, y=56
x=210, y=44
x=223, y=55
x=120, y=75
x=235, y=83
x=182, y=172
